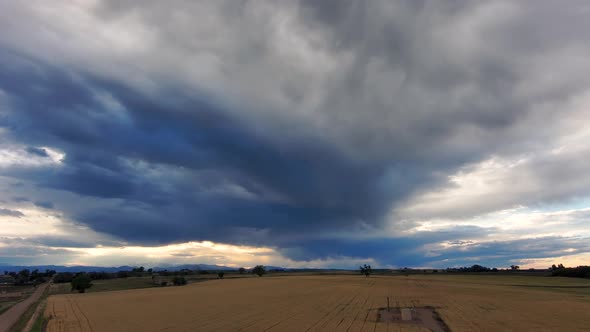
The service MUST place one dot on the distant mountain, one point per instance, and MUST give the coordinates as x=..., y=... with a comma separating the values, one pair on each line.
x=270, y=267
x=208, y=267
x=193, y=267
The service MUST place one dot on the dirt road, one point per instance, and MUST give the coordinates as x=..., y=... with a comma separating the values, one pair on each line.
x=11, y=316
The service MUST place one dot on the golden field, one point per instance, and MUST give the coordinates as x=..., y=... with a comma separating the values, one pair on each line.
x=331, y=303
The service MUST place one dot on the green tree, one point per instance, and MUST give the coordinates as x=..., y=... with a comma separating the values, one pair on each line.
x=366, y=270
x=81, y=282
x=242, y=270
x=140, y=269
x=259, y=270
x=22, y=277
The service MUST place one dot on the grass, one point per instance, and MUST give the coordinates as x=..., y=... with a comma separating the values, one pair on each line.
x=41, y=320
x=120, y=284
x=5, y=305
x=107, y=285
x=138, y=282
x=26, y=316
x=12, y=289
x=22, y=322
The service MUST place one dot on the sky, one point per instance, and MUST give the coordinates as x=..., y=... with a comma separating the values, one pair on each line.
x=295, y=133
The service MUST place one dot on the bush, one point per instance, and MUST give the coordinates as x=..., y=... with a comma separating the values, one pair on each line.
x=366, y=270
x=179, y=281
x=259, y=270
x=81, y=282
x=220, y=275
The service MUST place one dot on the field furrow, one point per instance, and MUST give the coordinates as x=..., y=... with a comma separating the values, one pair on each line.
x=323, y=303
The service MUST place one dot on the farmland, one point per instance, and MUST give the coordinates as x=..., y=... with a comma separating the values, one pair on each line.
x=339, y=302
x=10, y=295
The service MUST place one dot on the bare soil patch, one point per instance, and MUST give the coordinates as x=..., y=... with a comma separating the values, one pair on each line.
x=425, y=317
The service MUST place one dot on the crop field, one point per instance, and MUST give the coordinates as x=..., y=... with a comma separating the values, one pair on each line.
x=326, y=303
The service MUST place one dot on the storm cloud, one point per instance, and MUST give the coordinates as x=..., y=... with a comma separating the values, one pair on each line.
x=319, y=128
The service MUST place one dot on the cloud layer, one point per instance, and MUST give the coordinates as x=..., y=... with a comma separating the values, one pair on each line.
x=323, y=130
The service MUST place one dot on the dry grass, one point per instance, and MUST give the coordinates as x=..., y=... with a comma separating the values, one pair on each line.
x=325, y=303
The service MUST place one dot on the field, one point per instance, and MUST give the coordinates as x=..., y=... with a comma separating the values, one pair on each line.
x=10, y=295
x=16, y=317
x=325, y=303
x=136, y=282
x=107, y=285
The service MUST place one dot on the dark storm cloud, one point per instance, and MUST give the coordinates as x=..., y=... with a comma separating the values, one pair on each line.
x=316, y=185
x=282, y=132
x=408, y=250
x=11, y=213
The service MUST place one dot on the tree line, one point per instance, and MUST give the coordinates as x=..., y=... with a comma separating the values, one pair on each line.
x=573, y=272
x=28, y=277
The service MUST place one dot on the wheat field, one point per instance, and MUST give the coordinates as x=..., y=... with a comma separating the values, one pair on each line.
x=330, y=303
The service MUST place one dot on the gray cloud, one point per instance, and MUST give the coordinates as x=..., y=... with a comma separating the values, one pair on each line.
x=555, y=175
x=497, y=253
x=40, y=152
x=212, y=120
x=11, y=213
x=44, y=204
